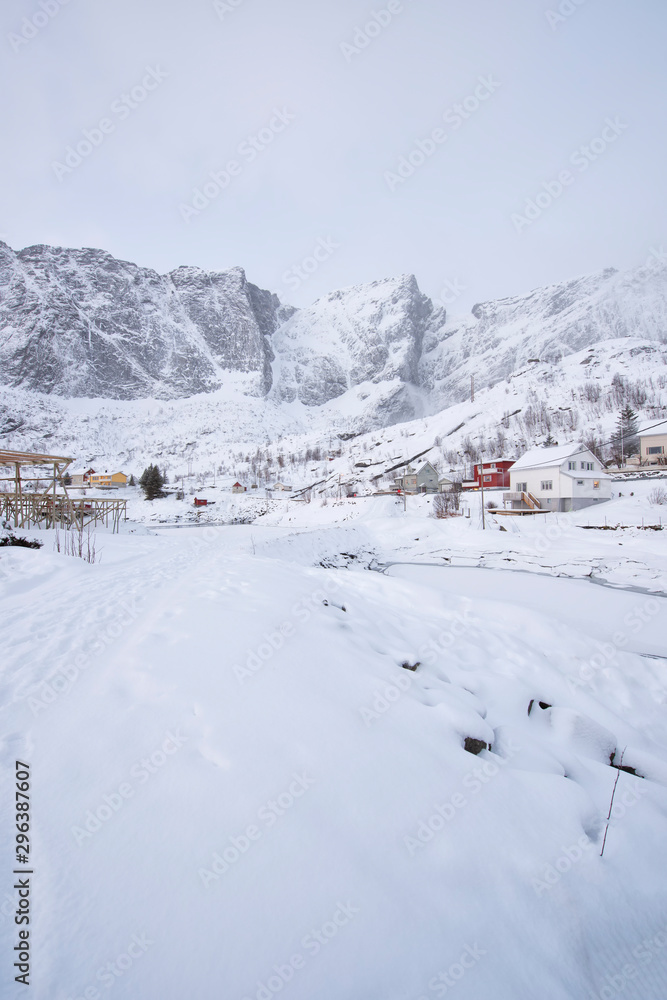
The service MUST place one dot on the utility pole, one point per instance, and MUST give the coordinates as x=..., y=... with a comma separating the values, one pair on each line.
x=481, y=483
x=622, y=444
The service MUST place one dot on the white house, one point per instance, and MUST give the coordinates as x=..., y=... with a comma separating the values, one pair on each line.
x=80, y=477
x=566, y=477
x=653, y=444
x=282, y=487
x=424, y=480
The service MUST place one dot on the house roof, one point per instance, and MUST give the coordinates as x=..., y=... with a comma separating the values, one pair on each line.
x=495, y=461
x=545, y=458
x=654, y=429
x=585, y=474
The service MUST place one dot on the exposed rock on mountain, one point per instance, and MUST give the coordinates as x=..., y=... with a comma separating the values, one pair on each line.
x=81, y=323
x=546, y=324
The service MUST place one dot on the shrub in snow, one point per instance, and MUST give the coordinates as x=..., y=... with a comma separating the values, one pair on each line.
x=7, y=537
x=76, y=543
x=446, y=504
x=658, y=495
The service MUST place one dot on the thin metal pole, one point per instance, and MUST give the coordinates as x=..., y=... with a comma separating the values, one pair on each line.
x=481, y=483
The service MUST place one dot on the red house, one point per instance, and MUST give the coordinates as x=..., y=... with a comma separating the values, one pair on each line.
x=496, y=472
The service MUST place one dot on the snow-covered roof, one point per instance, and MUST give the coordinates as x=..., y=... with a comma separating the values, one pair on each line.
x=585, y=474
x=494, y=461
x=544, y=458
x=654, y=429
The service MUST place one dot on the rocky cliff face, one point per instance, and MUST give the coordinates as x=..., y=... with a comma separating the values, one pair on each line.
x=546, y=324
x=81, y=323
x=367, y=333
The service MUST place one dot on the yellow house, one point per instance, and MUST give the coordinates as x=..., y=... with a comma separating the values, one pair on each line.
x=116, y=479
x=653, y=443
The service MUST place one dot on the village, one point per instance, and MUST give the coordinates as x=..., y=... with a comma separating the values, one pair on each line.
x=544, y=479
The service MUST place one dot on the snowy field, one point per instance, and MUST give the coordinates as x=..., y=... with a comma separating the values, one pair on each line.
x=239, y=791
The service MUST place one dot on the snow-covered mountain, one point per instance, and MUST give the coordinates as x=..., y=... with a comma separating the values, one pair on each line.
x=79, y=323
x=130, y=365
x=546, y=324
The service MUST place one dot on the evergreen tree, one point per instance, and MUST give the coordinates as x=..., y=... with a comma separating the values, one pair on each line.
x=132, y=481
x=626, y=439
x=152, y=482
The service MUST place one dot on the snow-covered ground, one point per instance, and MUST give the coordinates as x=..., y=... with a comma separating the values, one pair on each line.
x=246, y=437
x=239, y=791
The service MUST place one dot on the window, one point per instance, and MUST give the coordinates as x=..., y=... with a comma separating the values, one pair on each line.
x=522, y=487
x=588, y=466
x=547, y=484
x=596, y=484
x=488, y=479
x=580, y=482
x=571, y=465
x=658, y=450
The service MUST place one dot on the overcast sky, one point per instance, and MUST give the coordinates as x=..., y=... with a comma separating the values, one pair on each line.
x=312, y=114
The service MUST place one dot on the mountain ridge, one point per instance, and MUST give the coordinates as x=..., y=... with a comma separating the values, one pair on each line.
x=80, y=323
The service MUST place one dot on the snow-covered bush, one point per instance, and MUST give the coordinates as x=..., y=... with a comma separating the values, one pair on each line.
x=658, y=495
x=7, y=537
x=446, y=504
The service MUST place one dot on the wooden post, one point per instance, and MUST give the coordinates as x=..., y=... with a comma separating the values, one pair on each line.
x=19, y=496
